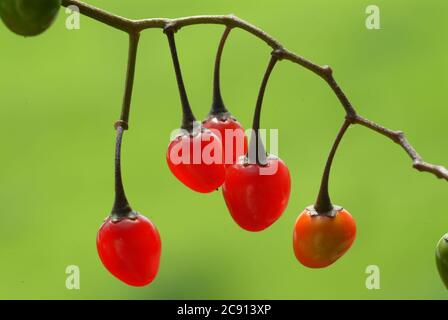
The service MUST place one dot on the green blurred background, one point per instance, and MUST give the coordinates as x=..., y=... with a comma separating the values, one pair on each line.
x=61, y=92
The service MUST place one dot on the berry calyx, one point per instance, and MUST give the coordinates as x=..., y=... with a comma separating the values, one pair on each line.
x=442, y=259
x=322, y=238
x=29, y=17
x=231, y=134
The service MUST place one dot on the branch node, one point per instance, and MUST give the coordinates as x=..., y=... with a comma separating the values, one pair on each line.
x=417, y=164
x=399, y=137
x=171, y=26
x=232, y=20
x=278, y=53
x=121, y=124
x=328, y=71
x=351, y=118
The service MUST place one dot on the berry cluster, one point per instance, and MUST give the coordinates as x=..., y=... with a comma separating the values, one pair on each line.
x=129, y=245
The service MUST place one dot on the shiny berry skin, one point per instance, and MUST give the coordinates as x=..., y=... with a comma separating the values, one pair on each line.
x=319, y=240
x=231, y=133
x=442, y=259
x=29, y=17
x=195, y=159
x=256, y=200
x=130, y=249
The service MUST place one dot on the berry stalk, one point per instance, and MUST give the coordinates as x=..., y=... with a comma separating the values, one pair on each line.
x=218, y=106
x=323, y=203
x=257, y=151
x=130, y=75
x=188, y=117
x=121, y=208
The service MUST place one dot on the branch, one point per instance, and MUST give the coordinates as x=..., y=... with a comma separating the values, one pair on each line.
x=231, y=21
x=400, y=138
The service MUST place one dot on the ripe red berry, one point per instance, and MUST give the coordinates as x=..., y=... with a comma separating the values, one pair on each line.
x=255, y=196
x=231, y=133
x=321, y=239
x=130, y=249
x=195, y=159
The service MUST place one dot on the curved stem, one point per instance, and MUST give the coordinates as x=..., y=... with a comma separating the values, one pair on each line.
x=323, y=203
x=324, y=72
x=218, y=106
x=187, y=114
x=121, y=208
x=257, y=151
x=130, y=75
x=100, y=15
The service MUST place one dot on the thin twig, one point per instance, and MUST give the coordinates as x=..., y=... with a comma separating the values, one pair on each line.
x=324, y=72
x=400, y=138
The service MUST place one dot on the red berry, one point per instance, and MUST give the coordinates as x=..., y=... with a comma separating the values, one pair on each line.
x=231, y=133
x=256, y=195
x=195, y=159
x=130, y=249
x=319, y=239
